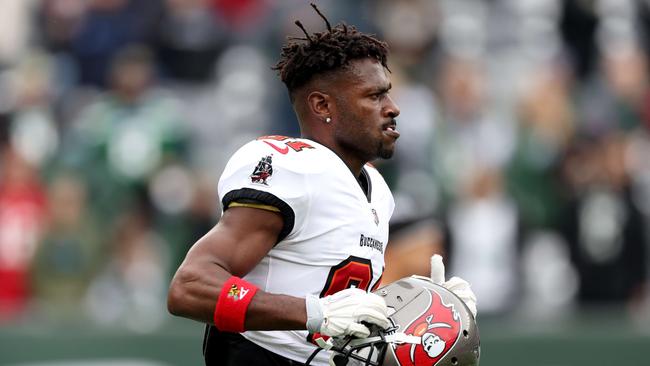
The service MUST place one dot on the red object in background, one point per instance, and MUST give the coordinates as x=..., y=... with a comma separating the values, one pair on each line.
x=14, y=293
x=240, y=14
x=22, y=215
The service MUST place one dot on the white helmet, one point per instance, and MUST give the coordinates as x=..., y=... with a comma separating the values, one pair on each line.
x=431, y=326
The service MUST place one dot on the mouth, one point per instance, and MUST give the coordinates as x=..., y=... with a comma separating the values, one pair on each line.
x=390, y=129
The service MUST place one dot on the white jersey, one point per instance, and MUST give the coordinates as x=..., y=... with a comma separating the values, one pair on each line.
x=334, y=234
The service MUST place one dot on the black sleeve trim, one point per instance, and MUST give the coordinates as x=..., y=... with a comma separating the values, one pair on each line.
x=266, y=198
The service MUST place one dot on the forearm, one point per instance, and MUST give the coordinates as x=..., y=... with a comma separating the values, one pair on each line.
x=195, y=290
x=278, y=312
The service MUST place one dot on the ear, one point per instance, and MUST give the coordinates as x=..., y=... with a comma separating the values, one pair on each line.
x=320, y=104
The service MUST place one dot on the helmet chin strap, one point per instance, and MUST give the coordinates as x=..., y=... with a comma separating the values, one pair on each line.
x=325, y=344
x=401, y=338
x=397, y=338
x=341, y=344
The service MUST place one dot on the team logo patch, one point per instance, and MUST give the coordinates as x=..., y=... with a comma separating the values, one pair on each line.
x=438, y=328
x=263, y=170
x=237, y=293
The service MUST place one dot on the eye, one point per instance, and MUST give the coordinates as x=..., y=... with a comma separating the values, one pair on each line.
x=378, y=96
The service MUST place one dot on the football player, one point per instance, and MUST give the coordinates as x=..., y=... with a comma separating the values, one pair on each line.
x=300, y=244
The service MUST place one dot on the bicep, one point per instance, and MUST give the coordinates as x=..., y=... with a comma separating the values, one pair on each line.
x=234, y=246
x=240, y=240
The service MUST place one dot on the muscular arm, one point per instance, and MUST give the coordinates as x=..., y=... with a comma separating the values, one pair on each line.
x=234, y=246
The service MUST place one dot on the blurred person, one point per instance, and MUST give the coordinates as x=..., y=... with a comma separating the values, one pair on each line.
x=603, y=223
x=58, y=23
x=471, y=148
x=70, y=252
x=484, y=240
x=578, y=24
x=626, y=72
x=190, y=40
x=240, y=92
x=547, y=124
x=34, y=132
x=467, y=136
x=550, y=280
x=546, y=127
x=23, y=205
x=412, y=30
x=15, y=30
x=107, y=27
x=617, y=97
x=411, y=245
x=305, y=220
x=124, y=138
x=56, y=26
x=129, y=289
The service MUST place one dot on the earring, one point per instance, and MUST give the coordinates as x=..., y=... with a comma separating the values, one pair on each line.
x=328, y=120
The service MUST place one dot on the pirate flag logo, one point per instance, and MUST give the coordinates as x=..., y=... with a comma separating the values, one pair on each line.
x=438, y=329
x=263, y=170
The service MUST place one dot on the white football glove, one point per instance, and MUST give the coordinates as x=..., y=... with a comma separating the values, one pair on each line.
x=457, y=285
x=341, y=314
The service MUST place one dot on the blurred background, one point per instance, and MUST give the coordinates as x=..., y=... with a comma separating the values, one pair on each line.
x=524, y=160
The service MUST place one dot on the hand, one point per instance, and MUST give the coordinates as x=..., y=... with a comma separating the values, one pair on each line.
x=457, y=285
x=341, y=314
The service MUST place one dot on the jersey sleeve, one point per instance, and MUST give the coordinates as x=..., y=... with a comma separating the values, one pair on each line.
x=261, y=175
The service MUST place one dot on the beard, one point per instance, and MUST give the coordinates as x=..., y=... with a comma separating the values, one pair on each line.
x=384, y=152
x=366, y=144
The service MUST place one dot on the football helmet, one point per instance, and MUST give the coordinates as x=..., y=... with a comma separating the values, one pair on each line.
x=430, y=326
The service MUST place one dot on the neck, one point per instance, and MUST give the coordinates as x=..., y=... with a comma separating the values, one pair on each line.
x=352, y=162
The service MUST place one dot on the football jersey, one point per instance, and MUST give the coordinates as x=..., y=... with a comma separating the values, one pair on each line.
x=334, y=233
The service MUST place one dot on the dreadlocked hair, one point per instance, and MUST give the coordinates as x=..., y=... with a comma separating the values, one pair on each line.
x=302, y=58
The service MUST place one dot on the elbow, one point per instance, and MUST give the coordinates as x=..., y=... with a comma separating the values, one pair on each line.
x=193, y=292
x=175, y=299
x=179, y=294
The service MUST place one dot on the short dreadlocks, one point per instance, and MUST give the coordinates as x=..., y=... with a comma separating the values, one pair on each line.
x=325, y=51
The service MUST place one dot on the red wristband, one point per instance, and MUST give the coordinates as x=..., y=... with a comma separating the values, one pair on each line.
x=230, y=312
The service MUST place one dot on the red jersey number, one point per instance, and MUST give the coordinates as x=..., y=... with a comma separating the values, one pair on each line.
x=352, y=272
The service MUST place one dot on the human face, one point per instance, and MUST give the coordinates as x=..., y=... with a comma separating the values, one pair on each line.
x=364, y=113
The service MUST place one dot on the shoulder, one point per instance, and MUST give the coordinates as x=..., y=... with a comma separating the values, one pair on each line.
x=290, y=153
x=274, y=163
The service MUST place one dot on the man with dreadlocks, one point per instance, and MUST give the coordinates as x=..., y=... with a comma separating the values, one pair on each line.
x=301, y=240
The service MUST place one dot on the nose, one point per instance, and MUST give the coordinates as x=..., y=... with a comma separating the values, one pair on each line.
x=391, y=109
